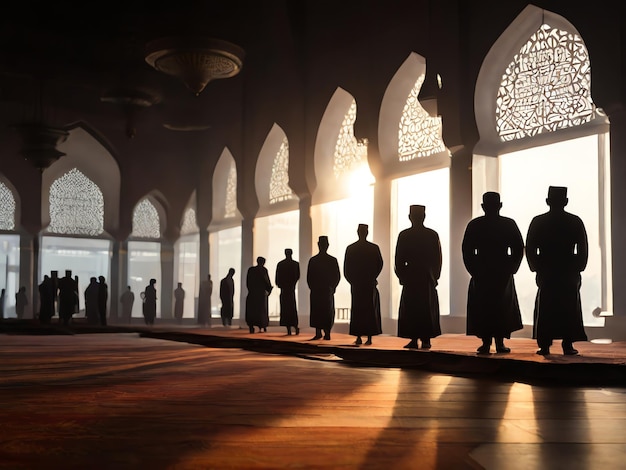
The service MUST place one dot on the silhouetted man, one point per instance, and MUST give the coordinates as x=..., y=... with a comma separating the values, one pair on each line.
x=179, y=302
x=322, y=278
x=493, y=249
x=204, y=301
x=68, y=297
x=46, y=300
x=287, y=275
x=259, y=288
x=362, y=265
x=21, y=301
x=127, y=299
x=103, y=297
x=149, y=302
x=556, y=249
x=227, y=295
x=418, y=267
x=91, y=301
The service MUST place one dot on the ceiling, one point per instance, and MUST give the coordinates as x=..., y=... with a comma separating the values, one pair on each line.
x=71, y=56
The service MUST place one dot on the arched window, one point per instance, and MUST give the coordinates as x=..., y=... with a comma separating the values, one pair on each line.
x=146, y=223
x=349, y=153
x=419, y=134
x=189, y=225
x=76, y=205
x=279, y=182
x=7, y=208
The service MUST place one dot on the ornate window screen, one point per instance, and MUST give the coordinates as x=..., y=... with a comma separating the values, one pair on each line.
x=76, y=205
x=230, y=209
x=419, y=134
x=279, y=182
x=146, y=223
x=348, y=151
x=546, y=87
x=189, y=222
x=7, y=208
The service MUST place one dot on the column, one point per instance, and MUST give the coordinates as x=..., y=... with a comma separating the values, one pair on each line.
x=247, y=247
x=29, y=272
x=166, y=290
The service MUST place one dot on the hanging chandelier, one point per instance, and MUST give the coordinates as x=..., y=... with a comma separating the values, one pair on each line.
x=195, y=60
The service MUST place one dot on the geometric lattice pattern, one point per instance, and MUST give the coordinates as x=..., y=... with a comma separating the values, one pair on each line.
x=7, y=208
x=76, y=205
x=546, y=87
x=348, y=151
x=231, y=192
x=420, y=133
x=189, y=222
x=279, y=182
x=146, y=223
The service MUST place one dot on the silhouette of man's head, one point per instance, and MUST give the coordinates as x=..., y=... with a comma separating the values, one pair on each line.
x=101, y=278
x=491, y=203
x=180, y=284
x=417, y=214
x=152, y=281
x=557, y=197
x=362, y=231
x=322, y=243
x=231, y=271
x=93, y=280
x=260, y=261
x=288, y=252
x=68, y=273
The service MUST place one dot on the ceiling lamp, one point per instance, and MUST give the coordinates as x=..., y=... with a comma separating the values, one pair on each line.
x=195, y=60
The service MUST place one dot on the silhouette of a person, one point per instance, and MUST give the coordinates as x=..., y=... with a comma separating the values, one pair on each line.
x=362, y=265
x=103, y=297
x=68, y=297
x=227, y=295
x=149, y=302
x=493, y=249
x=557, y=251
x=418, y=267
x=179, y=302
x=204, y=301
x=21, y=301
x=127, y=299
x=259, y=288
x=322, y=277
x=2, y=299
x=46, y=300
x=287, y=276
x=92, y=294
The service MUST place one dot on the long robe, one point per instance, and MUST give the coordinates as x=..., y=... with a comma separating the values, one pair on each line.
x=493, y=249
x=362, y=264
x=127, y=300
x=179, y=303
x=322, y=278
x=68, y=298
x=557, y=250
x=46, y=300
x=227, y=293
x=103, y=297
x=287, y=276
x=204, y=302
x=149, y=304
x=418, y=267
x=91, y=303
x=259, y=288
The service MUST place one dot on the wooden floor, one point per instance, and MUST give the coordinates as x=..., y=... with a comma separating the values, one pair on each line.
x=128, y=400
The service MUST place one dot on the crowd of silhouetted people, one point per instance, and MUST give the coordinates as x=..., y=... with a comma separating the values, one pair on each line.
x=492, y=248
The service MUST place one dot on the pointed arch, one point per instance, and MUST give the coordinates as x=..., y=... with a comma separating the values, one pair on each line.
x=9, y=205
x=87, y=154
x=409, y=137
x=272, y=174
x=148, y=218
x=337, y=151
x=225, y=211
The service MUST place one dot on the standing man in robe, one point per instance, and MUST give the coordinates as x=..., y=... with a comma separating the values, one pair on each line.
x=46, y=300
x=179, y=303
x=103, y=296
x=362, y=265
x=557, y=250
x=227, y=295
x=418, y=267
x=68, y=297
x=287, y=275
x=322, y=278
x=91, y=301
x=493, y=249
x=149, y=297
x=204, y=301
x=127, y=300
x=259, y=288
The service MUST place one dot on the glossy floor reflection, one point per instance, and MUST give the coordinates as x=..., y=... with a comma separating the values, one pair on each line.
x=122, y=401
